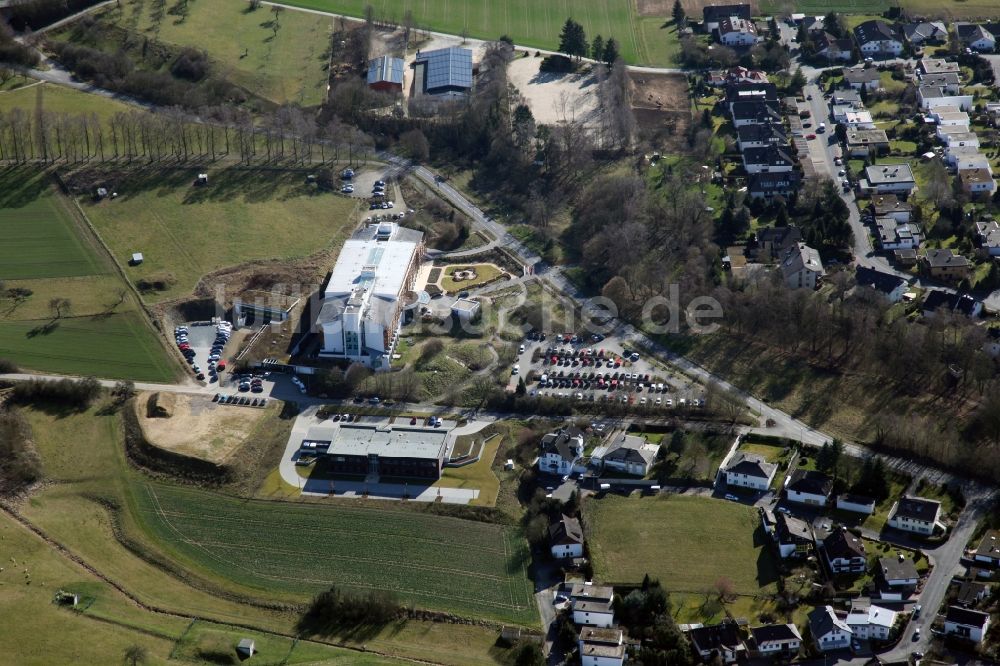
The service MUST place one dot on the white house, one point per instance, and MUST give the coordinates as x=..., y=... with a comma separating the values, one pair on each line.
x=934, y=96
x=889, y=205
x=858, y=503
x=712, y=15
x=808, y=487
x=890, y=178
x=975, y=37
x=738, y=32
x=793, y=536
x=878, y=38
x=592, y=605
x=775, y=640
x=627, y=454
x=974, y=160
x=863, y=77
x=956, y=137
x=844, y=552
x=601, y=647
x=988, y=234
x=561, y=451
x=952, y=118
x=801, y=267
x=829, y=631
x=977, y=180
x=722, y=638
x=869, y=622
x=895, y=235
x=965, y=623
x=566, y=538
x=749, y=470
x=932, y=32
x=770, y=159
x=859, y=120
x=989, y=548
x=891, y=287
x=897, y=577
x=955, y=154
x=950, y=82
x=915, y=514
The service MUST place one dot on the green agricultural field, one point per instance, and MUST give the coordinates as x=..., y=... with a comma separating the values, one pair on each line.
x=687, y=542
x=528, y=23
x=185, y=232
x=59, y=99
x=949, y=9
x=48, y=255
x=286, y=64
x=431, y=561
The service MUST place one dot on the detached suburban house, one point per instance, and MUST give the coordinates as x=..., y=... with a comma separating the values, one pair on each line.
x=975, y=37
x=566, y=538
x=627, y=454
x=793, y=536
x=734, y=31
x=971, y=593
x=895, y=235
x=724, y=638
x=891, y=287
x=772, y=159
x=866, y=142
x=915, y=514
x=890, y=178
x=889, y=205
x=808, y=487
x=801, y=267
x=870, y=622
x=560, y=451
x=775, y=640
x=989, y=549
x=856, y=503
x=601, y=647
x=592, y=605
x=938, y=66
x=934, y=96
x=844, y=552
x=863, y=77
x=957, y=303
x=918, y=34
x=965, y=623
x=897, y=577
x=713, y=14
x=831, y=48
x=829, y=631
x=878, y=38
x=749, y=470
x=944, y=264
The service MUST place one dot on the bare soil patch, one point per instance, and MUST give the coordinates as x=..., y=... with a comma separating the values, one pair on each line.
x=662, y=107
x=198, y=427
x=659, y=7
x=554, y=98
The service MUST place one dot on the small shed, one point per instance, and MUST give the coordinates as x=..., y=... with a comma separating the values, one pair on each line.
x=136, y=259
x=101, y=193
x=245, y=648
x=509, y=465
x=202, y=179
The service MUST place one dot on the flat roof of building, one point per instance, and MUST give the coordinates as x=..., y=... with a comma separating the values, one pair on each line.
x=889, y=173
x=385, y=441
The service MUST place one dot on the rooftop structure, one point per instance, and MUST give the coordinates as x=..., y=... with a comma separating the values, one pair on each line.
x=447, y=70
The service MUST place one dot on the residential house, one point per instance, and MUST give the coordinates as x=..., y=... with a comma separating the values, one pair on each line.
x=771, y=243
x=808, y=487
x=915, y=514
x=955, y=154
x=932, y=96
x=970, y=593
x=760, y=91
x=767, y=185
x=956, y=137
x=775, y=640
x=829, y=631
x=793, y=536
x=868, y=78
x=601, y=647
x=566, y=538
x=950, y=82
x=894, y=235
x=561, y=451
x=988, y=550
x=592, y=604
x=866, y=142
x=723, y=639
x=749, y=470
x=750, y=113
x=925, y=32
x=889, y=205
x=891, y=287
x=847, y=97
x=937, y=66
x=761, y=136
x=856, y=503
x=737, y=32
x=870, y=622
x=905, y=257
x=974, y=160
x=951, y=118
x=878, y=38
x=829, y=47
x=957, y=303
x=627, y=454
x=975, y=37
x=889, y=178
x=966, y=623
x=859, y=120
x=772, y=159
x=801, y=267
x=944, y=264
x=844, y=552
x=713, y=14
x=738, y=74
x=977, y=181
x=896, y=577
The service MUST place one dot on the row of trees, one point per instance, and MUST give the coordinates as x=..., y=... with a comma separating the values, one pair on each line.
x=71, y=393
x=573, y=42
x=336, y=608
x=20, y=465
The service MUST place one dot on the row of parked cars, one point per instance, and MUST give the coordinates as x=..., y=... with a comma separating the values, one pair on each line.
x=241, y=400
x=601, y=381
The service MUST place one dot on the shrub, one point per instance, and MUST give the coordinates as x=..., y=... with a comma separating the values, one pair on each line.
x=557, y=63
x=191, y=65
x=7, y=365
x=335, y=609
x=19, y=462
x=73, y=393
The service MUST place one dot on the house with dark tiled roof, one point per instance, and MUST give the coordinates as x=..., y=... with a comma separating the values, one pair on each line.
x=561, y=450
x=808, y=487
x=925, y=32
x=829, y=47
x=877, y=38
x=975, y=37
x=713, y=14
x=944, y=264
x=566, y=538
x=915, y=514
x=793, y=536
x=970, y=593
x=889, y=286
x=844, y=552
x=723, y=639
x=601, y=646
x=627, y=454
x=965, y=623
x=829, y=631
x=749, y=470
x=988, y=550
x=775, y=640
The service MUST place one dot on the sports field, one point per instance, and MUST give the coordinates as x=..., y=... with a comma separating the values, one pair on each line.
x=528, y=23
x=286, y=63
x=687, y=542
x=47, y=255
x=435, y=562
x=186, y=232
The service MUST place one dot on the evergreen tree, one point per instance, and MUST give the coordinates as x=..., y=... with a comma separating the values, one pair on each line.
x=597, y=48
x=680, y=18
x=823, y=457
x=677, y=443
x=611, y=51
x=573, y=40
x=521, y=388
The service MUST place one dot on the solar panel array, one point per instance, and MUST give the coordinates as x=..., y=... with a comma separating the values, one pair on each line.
x=447, y=68
x=385, y=68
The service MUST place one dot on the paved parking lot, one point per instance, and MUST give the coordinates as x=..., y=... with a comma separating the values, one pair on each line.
x=200, y=337
x=597, y=371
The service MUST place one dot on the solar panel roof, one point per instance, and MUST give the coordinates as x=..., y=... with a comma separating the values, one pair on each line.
x=447, y=68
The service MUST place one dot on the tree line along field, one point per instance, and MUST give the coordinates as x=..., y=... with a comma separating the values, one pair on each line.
x=435, y=562
x=528, y=23
x=46, y=255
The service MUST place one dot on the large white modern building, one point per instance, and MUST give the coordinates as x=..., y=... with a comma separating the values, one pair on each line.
x=363, y=303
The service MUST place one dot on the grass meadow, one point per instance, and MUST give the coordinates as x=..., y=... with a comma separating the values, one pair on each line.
x=47, y=254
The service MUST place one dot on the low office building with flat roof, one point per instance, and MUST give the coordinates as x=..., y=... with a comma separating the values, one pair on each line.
x=382, y=450
x=363, y=303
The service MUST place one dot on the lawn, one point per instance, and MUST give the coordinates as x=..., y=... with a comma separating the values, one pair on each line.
x=687, y=542
x=484, y=273
x=431, y=561
x=477, y=475
x=528, y=23
x=48, y=255
x=185, y=232
x=59, y=99
x=286, y=65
